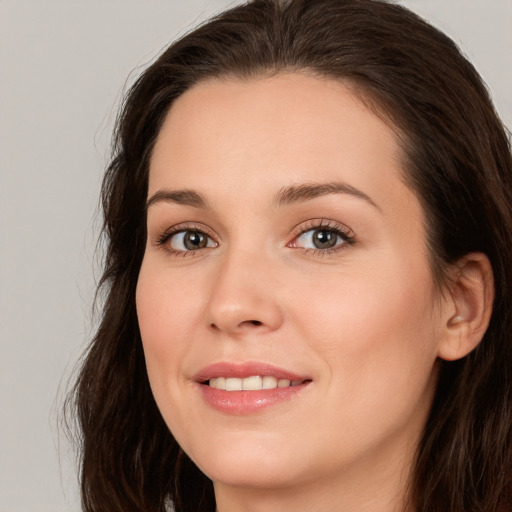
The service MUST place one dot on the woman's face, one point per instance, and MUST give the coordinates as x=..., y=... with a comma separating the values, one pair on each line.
x=285, y=250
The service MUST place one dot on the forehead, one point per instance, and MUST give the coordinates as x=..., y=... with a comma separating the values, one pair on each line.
x=288, y=128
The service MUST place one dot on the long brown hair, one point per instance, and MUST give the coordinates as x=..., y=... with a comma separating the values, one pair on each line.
x=458, y=163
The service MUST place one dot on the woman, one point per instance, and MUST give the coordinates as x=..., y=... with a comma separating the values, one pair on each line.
x=309, y=221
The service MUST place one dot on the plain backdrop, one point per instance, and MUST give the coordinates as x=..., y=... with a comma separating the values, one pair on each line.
x=63, y=68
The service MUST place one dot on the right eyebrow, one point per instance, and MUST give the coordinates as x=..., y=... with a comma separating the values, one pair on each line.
x=184, y=197
x=306, y=191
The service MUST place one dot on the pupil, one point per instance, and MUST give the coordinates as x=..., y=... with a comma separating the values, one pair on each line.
x=323, y=239
x=194, y=240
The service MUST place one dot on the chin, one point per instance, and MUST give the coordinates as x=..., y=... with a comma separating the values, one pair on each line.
x=252, y=462
x=255, y=473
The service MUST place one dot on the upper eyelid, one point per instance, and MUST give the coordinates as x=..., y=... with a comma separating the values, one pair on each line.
x=190, y=226
x=320, y=223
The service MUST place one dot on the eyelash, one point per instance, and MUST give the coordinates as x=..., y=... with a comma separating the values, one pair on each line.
x=166, y=236
x=345, y=233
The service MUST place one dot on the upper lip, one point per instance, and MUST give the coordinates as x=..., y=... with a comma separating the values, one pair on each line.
x=243, y=370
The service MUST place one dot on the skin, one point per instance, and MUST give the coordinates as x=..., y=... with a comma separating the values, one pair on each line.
x=363, y=320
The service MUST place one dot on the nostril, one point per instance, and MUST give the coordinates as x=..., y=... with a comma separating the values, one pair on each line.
x=245, y=324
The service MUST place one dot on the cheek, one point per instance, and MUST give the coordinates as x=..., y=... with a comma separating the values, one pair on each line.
x=377, y=340
x=165, y=314
x=377, y=330
x=389, y=303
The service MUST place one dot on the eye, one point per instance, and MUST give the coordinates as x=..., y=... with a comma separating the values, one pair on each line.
x=319, y=239
x=184, y=241
x=322, y=237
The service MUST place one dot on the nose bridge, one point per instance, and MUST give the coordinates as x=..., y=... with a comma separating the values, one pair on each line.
x=242, y=298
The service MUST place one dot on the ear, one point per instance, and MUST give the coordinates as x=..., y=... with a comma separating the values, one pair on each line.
x=468, y=307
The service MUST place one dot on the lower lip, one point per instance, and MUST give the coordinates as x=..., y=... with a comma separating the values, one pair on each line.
x=247, y=402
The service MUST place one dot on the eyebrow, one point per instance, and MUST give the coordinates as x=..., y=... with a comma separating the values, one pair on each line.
x=184, y=197
x=287, y=195
x=304, y=192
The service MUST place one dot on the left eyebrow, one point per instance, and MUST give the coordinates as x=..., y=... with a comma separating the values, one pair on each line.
x=306, y=191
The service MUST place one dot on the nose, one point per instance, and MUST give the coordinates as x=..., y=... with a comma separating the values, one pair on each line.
x=244, y=296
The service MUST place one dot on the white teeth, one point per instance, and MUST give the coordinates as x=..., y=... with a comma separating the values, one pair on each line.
x=218, y=383
x=253, y=383
x=233, y=384
x=269, y=382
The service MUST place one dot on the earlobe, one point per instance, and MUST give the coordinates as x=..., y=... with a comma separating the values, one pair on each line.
x=470, y=297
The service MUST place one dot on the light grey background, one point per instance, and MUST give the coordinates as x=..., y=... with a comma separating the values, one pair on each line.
x=63, y=65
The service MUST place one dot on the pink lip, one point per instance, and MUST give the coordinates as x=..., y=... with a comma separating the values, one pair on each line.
x=243, y=370
x=247, y=402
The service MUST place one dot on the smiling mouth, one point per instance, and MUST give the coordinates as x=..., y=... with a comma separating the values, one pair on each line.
x=248, y=388
x=253, y=383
